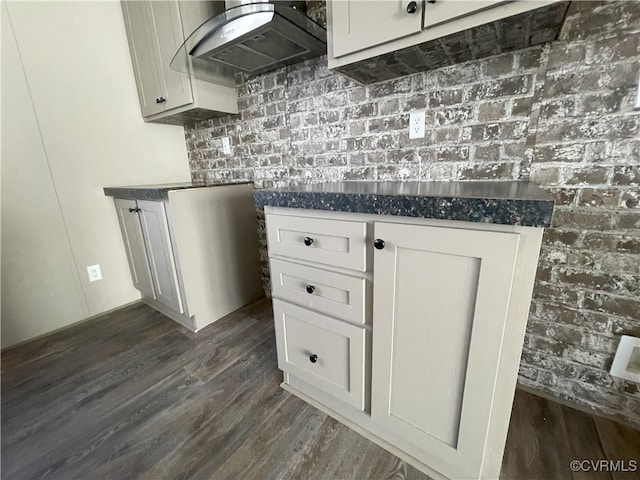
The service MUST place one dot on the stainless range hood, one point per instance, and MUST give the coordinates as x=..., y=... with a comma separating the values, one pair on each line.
x=251, y=36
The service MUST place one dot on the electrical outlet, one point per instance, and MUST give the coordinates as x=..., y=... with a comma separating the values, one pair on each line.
x=416, y=125
x=94, y=273
x=226, y=146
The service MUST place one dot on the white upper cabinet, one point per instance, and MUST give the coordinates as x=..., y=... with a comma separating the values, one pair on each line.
x=177, y=86
x=441, y=298
x=357, y=24
x=359, y=30
x=442, y=11
x=156, y=30
x=145, y=55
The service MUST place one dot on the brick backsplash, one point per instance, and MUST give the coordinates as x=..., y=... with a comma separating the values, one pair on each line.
x=560, y=114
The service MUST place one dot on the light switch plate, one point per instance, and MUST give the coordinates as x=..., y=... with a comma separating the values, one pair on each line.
x=226, y=146
x=416, y=125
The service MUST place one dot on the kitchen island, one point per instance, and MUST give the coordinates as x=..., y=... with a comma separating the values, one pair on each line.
x=400, y=309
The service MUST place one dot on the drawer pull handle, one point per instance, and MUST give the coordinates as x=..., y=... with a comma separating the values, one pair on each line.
x=313, y=358
x=412, y=7
x=311, y=288
x=308, y=241
x=378, y=243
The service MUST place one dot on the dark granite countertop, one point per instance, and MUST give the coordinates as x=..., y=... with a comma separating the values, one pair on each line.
x=160, y=191
x=507, y=203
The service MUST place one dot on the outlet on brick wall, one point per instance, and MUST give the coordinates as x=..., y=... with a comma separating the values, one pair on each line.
x=416, y=125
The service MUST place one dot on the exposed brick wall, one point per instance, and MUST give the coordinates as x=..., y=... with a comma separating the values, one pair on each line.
x=560, y=114
x=587, y=153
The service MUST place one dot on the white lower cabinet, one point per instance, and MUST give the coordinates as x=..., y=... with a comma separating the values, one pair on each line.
x=145, y=230
x=155, y=230
x=134, y=246
x=450, y=303
x=194, y=255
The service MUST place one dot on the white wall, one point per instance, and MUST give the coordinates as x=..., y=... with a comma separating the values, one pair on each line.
x=70, y=126
x=36, y=253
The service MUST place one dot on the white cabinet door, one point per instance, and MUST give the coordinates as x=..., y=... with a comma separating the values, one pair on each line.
x=168, y=26
x=134, y=246
x=446, y=10
x=145, y=54
x=359, y=24
x=440, y=305
x=160, y=253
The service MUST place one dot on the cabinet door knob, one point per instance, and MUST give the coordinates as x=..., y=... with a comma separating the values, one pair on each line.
x=313, y=358
x=311, y=288
x=412, y=7
x=131, y=210
x=162, y=100
x=378, y=243
x=308, y=241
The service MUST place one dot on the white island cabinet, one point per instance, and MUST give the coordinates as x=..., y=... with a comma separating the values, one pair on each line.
x=408, y=330
x=193, y=252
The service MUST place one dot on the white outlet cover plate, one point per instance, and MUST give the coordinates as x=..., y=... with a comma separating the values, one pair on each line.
x=226, y=145
x=626, y=363
x=94, y=273
x=416, y=125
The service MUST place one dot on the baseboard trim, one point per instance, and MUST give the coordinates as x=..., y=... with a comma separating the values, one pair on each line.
x=71, y=325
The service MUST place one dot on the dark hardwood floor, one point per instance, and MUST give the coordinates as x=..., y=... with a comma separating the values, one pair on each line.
x=134, y=395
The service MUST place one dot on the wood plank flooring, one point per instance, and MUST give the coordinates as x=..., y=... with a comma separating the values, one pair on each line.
x=133, y=395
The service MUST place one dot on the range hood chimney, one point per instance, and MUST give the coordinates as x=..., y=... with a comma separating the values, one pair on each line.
x=251, y=36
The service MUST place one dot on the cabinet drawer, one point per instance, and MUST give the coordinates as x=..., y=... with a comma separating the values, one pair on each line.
x=332, y=242
x=326, y=353
x=336, y=294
